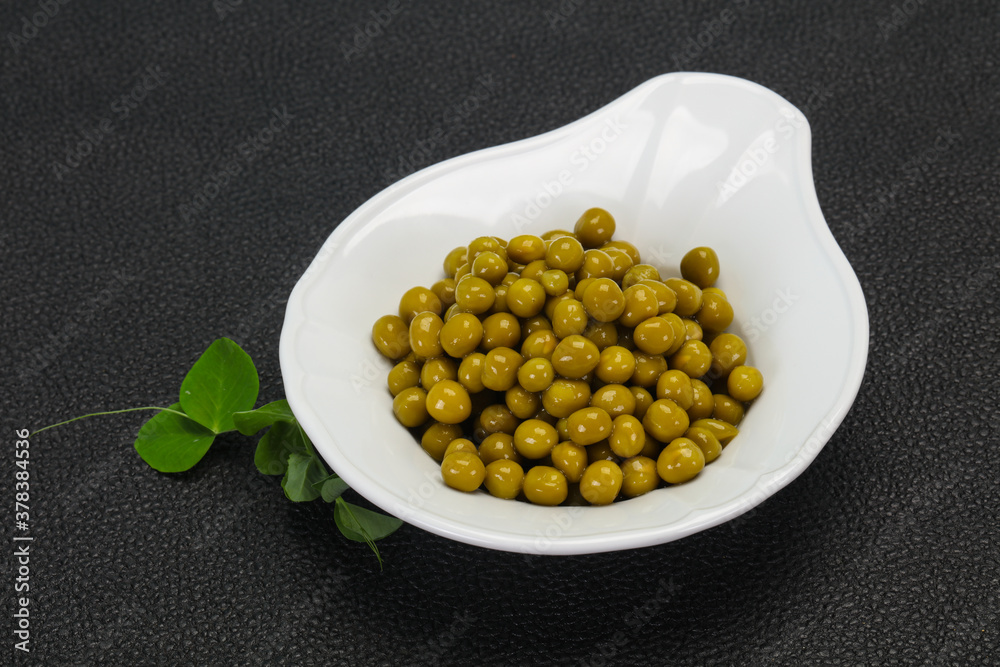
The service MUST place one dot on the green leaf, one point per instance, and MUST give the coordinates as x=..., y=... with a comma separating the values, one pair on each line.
x=331, y=488
x=281, y=441
x=362, y=525
x=303, y=472
x=222, y=381
x=172, y=443
x=252, y=421
x=275, y=446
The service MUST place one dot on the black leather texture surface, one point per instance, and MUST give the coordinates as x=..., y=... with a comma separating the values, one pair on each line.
x=145, y=211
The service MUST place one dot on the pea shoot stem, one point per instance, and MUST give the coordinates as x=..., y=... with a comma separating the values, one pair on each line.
x=364, y=533
x=311, y=450
x=110, y=412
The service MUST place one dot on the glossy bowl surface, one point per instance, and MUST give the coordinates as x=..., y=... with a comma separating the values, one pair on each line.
x=683, y=160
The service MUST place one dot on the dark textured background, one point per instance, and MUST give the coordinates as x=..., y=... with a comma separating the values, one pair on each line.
x=884, y=551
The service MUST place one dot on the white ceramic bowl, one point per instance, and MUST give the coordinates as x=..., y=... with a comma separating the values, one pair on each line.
x=683, y=160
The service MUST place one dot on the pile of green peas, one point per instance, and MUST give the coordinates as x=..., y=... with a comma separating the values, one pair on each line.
x=560, y=369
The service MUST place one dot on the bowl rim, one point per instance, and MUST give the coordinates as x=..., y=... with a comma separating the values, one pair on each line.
x=765, y=485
